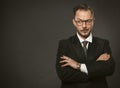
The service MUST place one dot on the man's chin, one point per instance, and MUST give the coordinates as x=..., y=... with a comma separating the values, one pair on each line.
x=85, y=35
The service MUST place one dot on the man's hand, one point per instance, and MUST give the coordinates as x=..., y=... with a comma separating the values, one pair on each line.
x=103, y=57
x=67, y=61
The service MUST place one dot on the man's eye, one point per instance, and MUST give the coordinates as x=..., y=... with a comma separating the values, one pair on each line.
x=79, y=21
x=89, y=21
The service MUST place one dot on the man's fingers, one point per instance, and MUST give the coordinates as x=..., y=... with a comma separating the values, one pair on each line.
x=65, y=57
x=104, y=57
x=108, y=55
x=63, y=61
x=64, y=65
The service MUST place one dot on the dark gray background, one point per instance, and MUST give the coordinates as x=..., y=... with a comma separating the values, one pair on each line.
x=30, y=31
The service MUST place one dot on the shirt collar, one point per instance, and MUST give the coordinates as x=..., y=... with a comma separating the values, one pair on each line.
x=89, y=38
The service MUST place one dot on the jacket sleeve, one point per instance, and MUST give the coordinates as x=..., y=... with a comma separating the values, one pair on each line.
x=102, y=68
x=67, y=74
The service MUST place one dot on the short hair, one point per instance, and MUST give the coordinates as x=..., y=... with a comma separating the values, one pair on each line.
x=83, y=6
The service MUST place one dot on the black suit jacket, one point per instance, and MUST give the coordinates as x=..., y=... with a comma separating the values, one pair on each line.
x=97, y=70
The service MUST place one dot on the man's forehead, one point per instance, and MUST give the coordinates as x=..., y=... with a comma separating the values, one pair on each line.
x=83, y=14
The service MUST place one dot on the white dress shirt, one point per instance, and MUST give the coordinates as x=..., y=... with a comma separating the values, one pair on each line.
x=83, y=67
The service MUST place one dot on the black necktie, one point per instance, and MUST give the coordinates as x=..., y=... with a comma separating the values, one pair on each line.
x=84, y=47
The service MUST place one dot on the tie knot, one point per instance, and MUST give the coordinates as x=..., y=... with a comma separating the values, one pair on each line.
x=85, y=43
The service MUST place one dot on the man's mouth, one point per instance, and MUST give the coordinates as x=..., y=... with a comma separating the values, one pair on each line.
x=84, y=31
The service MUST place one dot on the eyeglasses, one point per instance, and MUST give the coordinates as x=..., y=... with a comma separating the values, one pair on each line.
x=87, y=22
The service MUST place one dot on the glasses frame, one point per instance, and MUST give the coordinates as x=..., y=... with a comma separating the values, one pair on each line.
x=87, y=22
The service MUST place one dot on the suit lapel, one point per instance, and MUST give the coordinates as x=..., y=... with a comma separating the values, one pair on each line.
x=78, y=48
x=92, y=49
x=91, y=52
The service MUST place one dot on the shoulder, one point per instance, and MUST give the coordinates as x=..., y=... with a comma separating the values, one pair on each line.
x=100, y=40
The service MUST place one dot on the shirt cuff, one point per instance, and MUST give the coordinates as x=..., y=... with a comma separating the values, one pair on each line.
x=83, y=68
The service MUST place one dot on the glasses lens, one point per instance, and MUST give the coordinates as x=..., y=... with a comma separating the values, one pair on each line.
x=80, y=22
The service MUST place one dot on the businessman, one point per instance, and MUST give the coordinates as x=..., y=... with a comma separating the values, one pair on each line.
x=83, y=60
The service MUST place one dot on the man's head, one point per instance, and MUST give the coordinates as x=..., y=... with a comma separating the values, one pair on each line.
x=83, y=19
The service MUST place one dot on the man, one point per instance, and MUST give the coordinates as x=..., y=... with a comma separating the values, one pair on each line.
x=84, y=61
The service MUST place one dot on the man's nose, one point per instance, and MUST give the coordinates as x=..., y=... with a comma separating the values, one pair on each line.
x=84, y=24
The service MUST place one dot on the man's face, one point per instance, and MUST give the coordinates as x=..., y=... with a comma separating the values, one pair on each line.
x=83, y=22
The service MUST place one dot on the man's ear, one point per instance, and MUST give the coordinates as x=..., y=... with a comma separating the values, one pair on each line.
x=73, y=21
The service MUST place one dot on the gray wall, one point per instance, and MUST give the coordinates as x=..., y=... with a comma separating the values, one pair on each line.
x=30, y=31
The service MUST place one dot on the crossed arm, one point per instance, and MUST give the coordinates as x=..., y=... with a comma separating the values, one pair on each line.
x=67, y=67
x=67, y=61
